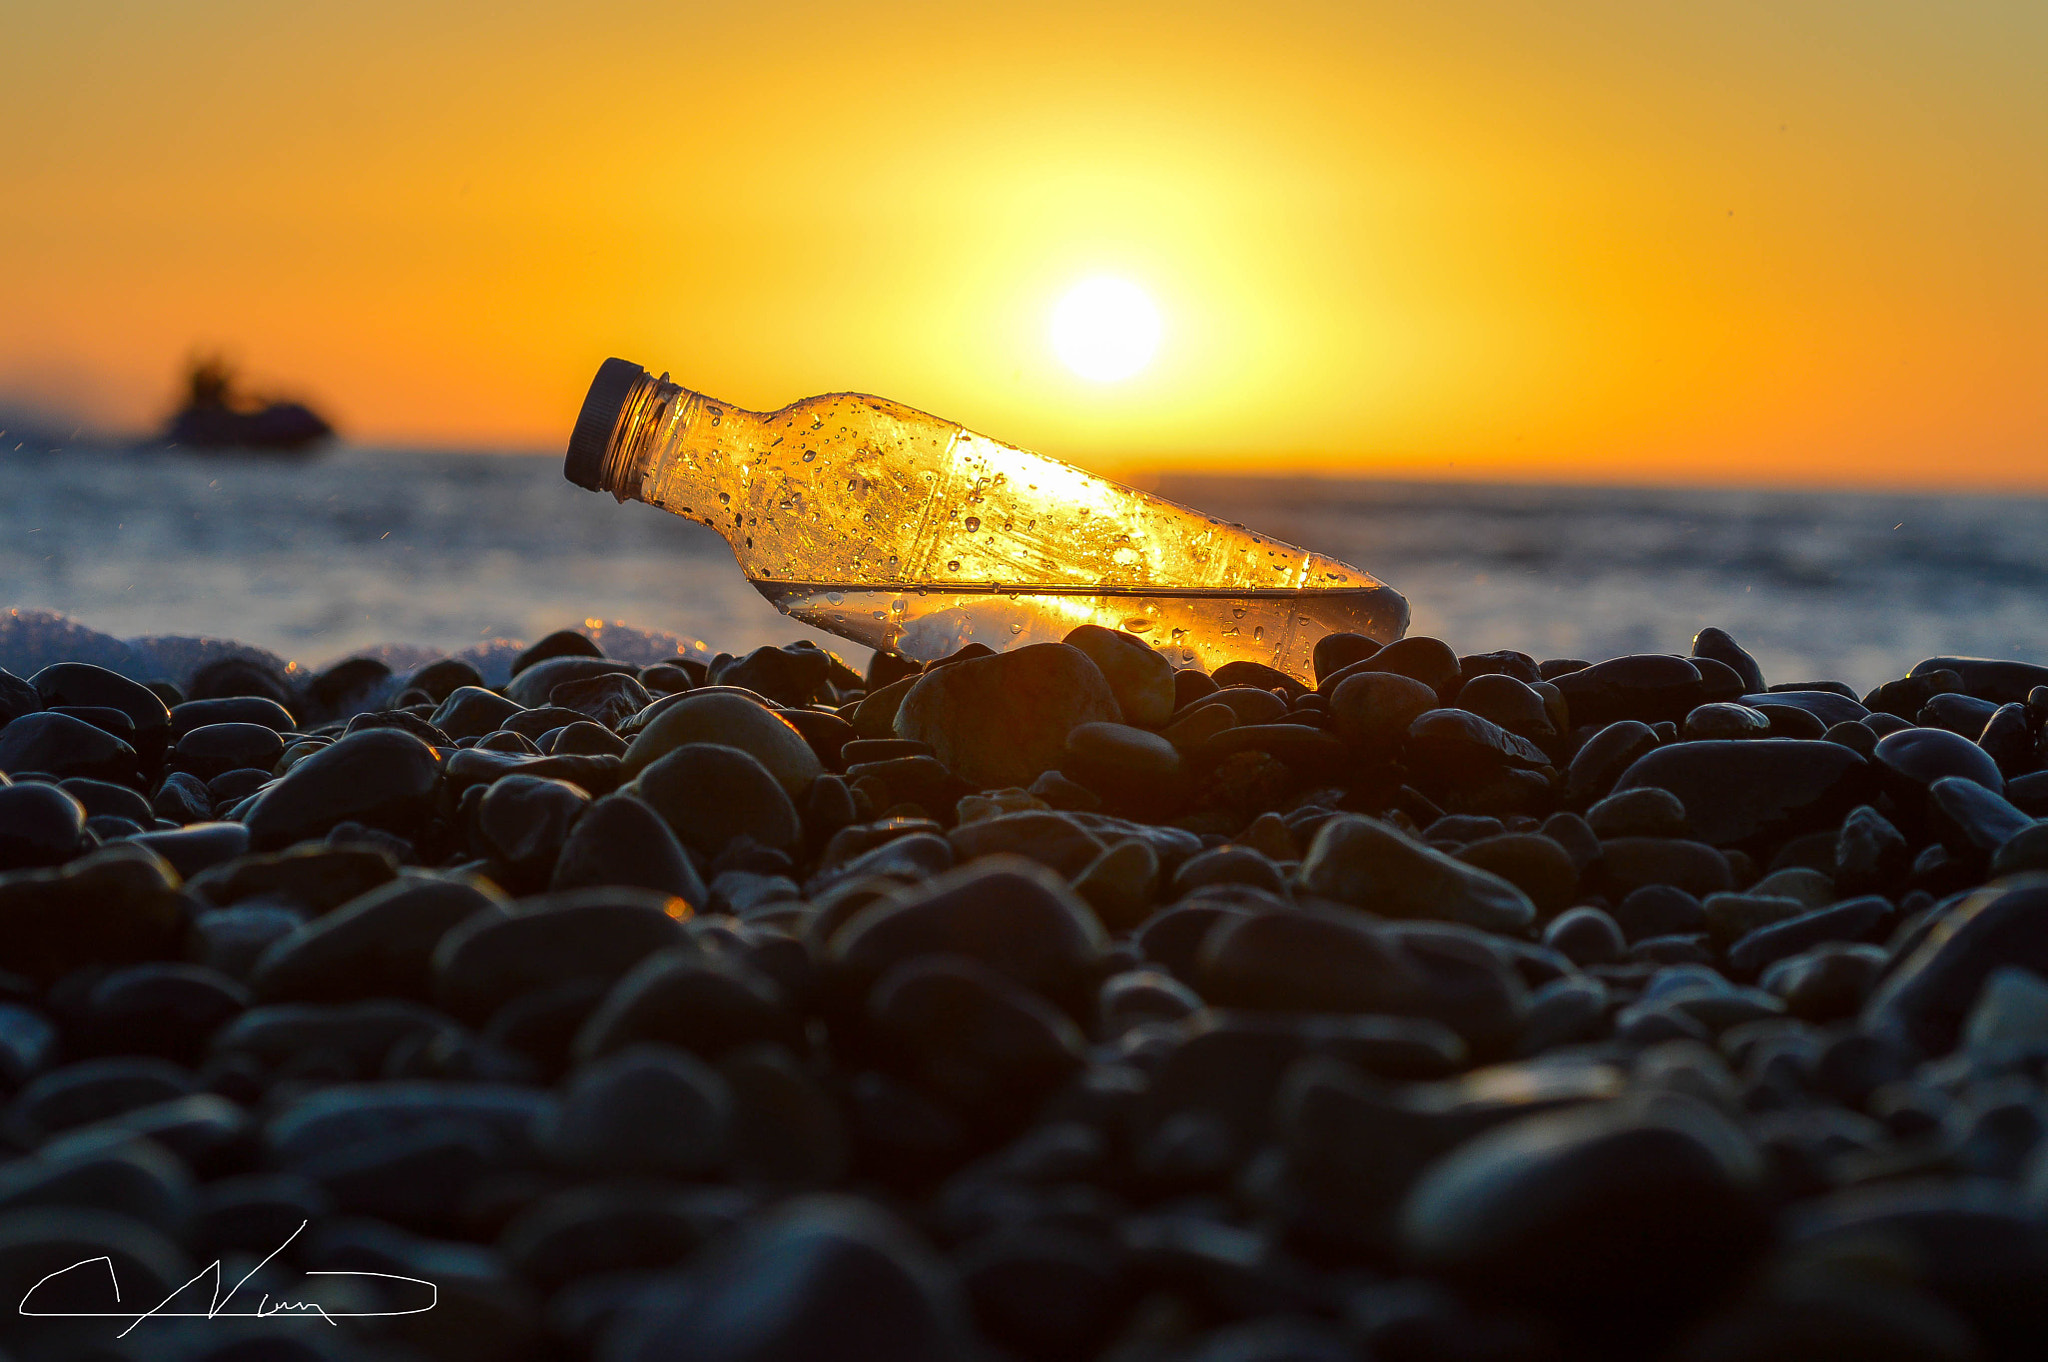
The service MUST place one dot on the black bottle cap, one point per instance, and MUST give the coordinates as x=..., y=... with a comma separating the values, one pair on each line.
x=591, y=441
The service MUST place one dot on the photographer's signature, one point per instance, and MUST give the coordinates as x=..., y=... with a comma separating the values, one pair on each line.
x=217, y=1304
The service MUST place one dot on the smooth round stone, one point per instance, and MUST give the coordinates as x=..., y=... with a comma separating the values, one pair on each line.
x=1718, y=645
x=1121, y=759
x=1924, y=1001
x=169, y=1010
x=705, y=1003
x=132, y=1178
x=40, y=825
x=531, y=686
x=1998, y=681
x=1585, y=936
x=1003, y=720
x=105, y=798
x=1314, y=960
x=1971, y=821
x=1602, y=758
x=1532, y=862
x=1419, y=657
x=1629, y=863
x=1455, y=742
x=1643, y=812
x=1365, y=862
x=17, y=697
x=1373, y=709
x=232, y=709
x=81, y=683
x=1648, y=687
x=788, y=676
x=561, y=643
x=2025, y=850
x=215, y=749
x=1724, y=721
x=1758, y=789
x=1961, y=714
x=1913, y=759
x=1193, y=727
x=648, y=1110
x=1139, y=676
x=1191, y=684
x=231, y=940
x=488, y=960
x=607, y=700
x=439, y=680
x=1250, y=704
x=471, y=712
x=1012, y=915
x=1119, y=883
x=709, y=793
x=1508, y=702
x=971, y=1035
x=588, y=740
x=1334, y=652
x=379, y=944
x=114, y=905
x=1142, y=995
x=818, y=1277
x=1227, y=865
x=730, y=720
x=522, y=821
x=95, y=1090
x=61, y=745
x=1620, y=1216
x=786, y=1129
x=621, y=840
x=380, y=777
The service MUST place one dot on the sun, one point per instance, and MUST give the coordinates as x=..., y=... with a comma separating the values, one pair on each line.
x=1105, y=329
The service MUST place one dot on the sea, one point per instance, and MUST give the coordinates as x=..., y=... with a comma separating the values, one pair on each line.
x=152, y=560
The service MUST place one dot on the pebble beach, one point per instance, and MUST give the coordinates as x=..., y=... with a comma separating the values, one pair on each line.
x=1050, y=1004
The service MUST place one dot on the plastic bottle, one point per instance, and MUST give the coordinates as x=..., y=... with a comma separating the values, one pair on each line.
x=904, y=531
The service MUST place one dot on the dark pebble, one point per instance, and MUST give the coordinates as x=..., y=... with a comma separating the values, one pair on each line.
x=379, y=944
x=531, y=686
x=647, y=1110
x=167, y=1010
x=561, y=643
x=213, y=749
x=381, y=777
x=1923, y=1001
x=1755, y=790
x=471, y=712
x=236, y=709
x=82, y=684
x=40, y=825
x=620, y=840
x=1311, y=961
x=709, y=794
x=489, y=959
x=704, y=1003
x=1912, y=760
x=112, y=906
x=1647, y=687
x=60, y=745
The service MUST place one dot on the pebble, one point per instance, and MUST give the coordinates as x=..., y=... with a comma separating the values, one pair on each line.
x=1586, y=936
x=647, y=1110
x=491, y=958
x=606, y=699
x=621, y=840
x=1004, y=720
x=1139, y=676
x=531, y=686
x=114, y=905
x=471, y=712
x=379, y=944
x=1374, y=709
x=1650, y=688
x=1913, y=760
x=60, y=745
x=1925, y=999
x=1628, y=864
x=83, y=685
x=707, y=1004
x=1314, y=960
x=787, y=676
x=159, y=1008
x=730, y=720
x=1718, y=645
x=1365, y=862
x=40, y=825
x=1601, y=759
x=1510, y=703
x=1972, y=821
x=708, y=794
x=1533, y=862
x=214, y=749
x=1643, y=812
x=381, y=777
x=1755, y=789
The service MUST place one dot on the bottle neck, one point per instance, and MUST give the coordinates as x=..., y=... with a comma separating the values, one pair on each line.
x=650, y=414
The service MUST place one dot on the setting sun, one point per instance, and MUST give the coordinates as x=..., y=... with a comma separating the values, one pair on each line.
x=1105, y=329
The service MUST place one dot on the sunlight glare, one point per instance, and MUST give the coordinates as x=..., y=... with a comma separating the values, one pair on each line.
x=1105, y=329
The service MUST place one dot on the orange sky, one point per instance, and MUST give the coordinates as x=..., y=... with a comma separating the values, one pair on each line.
x=1726, y=242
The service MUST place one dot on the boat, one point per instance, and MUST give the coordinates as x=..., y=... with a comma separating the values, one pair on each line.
x=216, y=415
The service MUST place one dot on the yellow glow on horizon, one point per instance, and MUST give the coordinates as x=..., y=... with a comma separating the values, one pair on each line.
x=1727, y=243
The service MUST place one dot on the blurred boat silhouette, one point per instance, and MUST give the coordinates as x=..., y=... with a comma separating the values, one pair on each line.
x=217, y=416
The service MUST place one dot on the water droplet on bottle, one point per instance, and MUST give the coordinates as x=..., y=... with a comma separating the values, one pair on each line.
x=1137, y=625
x=714, y=416
x=836, y=597
x=725, y=498
x=1016, y=628
x=973, y=523
x=1258, y=632
x=953, y=565
x=810, y=454
x=1179, y=634
x=879, y=614
x=1237, y=614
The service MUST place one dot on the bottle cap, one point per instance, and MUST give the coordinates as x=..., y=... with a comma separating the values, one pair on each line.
x=591, y=441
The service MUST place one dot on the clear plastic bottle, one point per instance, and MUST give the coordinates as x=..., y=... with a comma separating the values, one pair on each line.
x=903, y=531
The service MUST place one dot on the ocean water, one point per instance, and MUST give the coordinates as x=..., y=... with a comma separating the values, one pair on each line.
x=421, y=554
